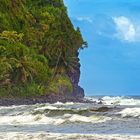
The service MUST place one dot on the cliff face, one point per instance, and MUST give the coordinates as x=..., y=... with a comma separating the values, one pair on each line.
x=75, y=76
x=39, y=32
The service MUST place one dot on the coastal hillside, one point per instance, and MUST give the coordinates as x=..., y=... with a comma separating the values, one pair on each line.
x=38, y=49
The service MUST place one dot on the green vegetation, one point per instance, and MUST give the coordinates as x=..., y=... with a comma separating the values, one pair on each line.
x=38, y=48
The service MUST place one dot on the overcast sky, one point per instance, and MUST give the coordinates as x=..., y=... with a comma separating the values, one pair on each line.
x=111, y=64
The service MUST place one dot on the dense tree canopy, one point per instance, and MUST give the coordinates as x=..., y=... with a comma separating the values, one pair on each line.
x=38, y=47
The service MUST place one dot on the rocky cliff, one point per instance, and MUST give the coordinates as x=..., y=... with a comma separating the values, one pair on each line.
x=38, y=49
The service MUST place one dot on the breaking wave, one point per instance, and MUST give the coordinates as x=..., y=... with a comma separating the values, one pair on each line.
x=130, y=112
x=108, y=115
x=119, y=100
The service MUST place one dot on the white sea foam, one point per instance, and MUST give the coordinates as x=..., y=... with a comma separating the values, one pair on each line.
x=79, y=118
x=46, y=107
x=30, y=120
x=67, y=103
x=120, y=101
x=130, y=112
x=92, y=119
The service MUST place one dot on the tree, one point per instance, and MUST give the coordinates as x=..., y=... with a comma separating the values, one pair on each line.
x=23, y=69
x=5, y=68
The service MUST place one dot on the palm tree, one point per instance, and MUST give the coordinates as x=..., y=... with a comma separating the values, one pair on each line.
x=5, y=68
x=23, y=69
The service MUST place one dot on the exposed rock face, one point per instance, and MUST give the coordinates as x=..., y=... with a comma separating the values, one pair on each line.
x=78, y=92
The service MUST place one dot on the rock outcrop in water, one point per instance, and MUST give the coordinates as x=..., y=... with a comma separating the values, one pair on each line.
x=39, y=50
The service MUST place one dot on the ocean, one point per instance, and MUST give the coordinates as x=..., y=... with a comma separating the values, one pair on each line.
x=108, y=118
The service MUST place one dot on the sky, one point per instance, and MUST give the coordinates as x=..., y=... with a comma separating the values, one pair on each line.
x=111, y=64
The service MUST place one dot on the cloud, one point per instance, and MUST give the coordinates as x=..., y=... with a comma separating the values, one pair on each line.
x=126, y=29
x=88, y=19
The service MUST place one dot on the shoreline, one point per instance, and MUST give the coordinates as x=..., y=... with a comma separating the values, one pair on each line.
x=8, y=101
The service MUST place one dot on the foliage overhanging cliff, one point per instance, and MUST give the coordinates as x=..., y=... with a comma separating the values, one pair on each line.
x=38, y=48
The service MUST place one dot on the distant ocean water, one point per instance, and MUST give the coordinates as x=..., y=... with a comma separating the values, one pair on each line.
x=73, y=121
